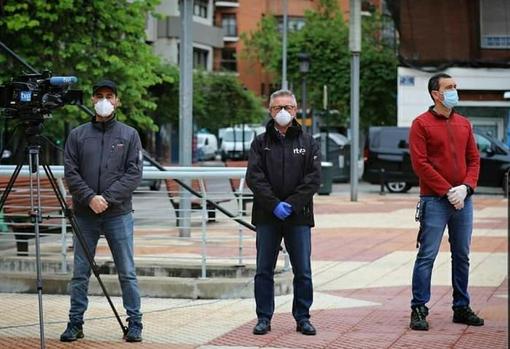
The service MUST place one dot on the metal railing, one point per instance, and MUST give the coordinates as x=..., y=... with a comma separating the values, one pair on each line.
x=212, y=242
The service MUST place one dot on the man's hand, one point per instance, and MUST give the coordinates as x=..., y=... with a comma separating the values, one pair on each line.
x=282, y=210
x=457, y=195
x=98, y=204
x=459, y=206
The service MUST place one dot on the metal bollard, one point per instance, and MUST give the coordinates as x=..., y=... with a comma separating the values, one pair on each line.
x=286, y=260
x=381, y=178
x=507, y=183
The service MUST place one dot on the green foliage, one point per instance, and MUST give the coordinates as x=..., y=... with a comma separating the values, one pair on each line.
x=218, y=100
x=225, y=101
x=264, y=44
x=325, y=37
x=89, y=39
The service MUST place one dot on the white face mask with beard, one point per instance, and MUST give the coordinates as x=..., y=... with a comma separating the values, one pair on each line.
x=104, y=108
x=283, y=118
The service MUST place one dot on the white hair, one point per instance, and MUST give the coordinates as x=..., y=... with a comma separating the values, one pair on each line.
x=282, y=93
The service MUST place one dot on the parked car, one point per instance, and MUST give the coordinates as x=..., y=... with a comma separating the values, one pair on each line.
x=236, y=142
x=207, y=146
x=387, y=159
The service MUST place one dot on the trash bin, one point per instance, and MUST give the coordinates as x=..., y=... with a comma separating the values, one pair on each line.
x=336, y=148
x=326, y=178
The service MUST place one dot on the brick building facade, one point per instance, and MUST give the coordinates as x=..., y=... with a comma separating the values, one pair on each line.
x=242, y=16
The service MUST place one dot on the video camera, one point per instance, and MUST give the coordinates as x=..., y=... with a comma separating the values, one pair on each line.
x=32, y=97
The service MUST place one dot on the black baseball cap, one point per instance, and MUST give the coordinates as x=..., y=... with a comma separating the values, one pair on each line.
x=104, y=83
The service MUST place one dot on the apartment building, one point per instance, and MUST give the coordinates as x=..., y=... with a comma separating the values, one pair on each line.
x=217, y=28
x=242, y=16
x=163, y=33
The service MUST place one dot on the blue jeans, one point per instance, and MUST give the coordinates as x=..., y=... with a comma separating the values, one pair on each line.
x=118, y=232
x=437, y=214
x=298, y=244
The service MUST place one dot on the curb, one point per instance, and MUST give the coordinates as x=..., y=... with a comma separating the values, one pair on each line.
x=150, y=286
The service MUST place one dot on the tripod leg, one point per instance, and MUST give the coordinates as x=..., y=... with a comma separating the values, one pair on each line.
x=77, y=232
x=10, y=184
x=21, y=238
x=35, y=212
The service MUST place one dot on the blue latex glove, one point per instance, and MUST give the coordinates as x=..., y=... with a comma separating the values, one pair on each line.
x=282, y=210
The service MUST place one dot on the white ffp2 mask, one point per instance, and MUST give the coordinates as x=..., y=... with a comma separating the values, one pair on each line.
x=283, y=118
x=104, y=107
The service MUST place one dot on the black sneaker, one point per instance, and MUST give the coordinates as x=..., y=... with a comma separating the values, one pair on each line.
x=73, y=332
x=419, y=318
x=306, y=328
x=263, y=326
x=464, y=315
x=134, y=333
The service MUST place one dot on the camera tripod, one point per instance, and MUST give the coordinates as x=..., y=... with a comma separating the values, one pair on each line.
x=35, y=214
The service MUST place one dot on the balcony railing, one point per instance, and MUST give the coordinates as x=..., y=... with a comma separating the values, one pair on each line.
x=226, y=3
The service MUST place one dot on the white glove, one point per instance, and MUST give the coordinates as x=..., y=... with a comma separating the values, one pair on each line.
x=457, y=195
x=459, y=206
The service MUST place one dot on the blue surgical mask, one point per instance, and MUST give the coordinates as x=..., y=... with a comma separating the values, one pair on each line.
x=450, y=98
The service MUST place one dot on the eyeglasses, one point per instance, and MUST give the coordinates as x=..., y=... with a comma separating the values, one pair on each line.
x=277, y=108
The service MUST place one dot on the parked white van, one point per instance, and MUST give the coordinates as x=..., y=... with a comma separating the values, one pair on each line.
x=207, y=146
x=235, y=145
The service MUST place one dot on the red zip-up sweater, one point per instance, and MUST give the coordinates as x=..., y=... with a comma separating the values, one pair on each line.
x=443, y=152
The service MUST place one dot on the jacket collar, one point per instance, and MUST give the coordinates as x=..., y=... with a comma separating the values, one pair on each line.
x=106, y=125
x=293, y=131
x=437, y=115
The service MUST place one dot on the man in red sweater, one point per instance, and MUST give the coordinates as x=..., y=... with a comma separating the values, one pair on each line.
x=446, y=160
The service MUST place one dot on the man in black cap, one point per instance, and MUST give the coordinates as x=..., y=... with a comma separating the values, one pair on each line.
x=103, y=166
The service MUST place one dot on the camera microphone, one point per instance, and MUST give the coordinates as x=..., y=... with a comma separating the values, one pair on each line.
x=63, y=80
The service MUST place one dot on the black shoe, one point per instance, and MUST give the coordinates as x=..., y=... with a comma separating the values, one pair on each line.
x=464, y=315
x=419, y=318
x=263, y=326
x=73, y=332
x=306, y=328
x=134, y=333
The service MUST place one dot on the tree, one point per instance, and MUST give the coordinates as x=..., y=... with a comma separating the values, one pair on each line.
x=325, y=37
x=218, y=100
x=226, y=101
x=89, y=39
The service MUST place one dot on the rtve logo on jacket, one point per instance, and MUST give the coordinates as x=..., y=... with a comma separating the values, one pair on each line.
x=300, y=151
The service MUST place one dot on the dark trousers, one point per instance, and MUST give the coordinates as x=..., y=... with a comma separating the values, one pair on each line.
x=297, y=242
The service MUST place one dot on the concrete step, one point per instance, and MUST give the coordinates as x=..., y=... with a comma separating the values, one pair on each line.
x=150, y=286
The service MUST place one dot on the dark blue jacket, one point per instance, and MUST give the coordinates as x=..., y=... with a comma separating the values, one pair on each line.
x=284, y=169
x=103, y=158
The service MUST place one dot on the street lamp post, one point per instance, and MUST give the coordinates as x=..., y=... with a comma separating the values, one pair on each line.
x=304, y=68
x=355, y=48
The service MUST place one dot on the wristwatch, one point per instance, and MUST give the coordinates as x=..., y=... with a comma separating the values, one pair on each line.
x=470, y=190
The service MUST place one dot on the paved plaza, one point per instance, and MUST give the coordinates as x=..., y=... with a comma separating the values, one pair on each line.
x=363, y=254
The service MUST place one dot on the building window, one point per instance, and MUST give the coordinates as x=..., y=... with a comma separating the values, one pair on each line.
x=294, y=24
x=494, y=26
x=229, y=24
x=200, y=8
x=200, y=57
x=228, y=59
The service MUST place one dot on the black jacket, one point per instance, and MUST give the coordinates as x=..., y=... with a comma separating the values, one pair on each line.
x=103, y=158
x=284, y=169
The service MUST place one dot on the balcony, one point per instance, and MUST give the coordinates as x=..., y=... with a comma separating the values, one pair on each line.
x=226, y=3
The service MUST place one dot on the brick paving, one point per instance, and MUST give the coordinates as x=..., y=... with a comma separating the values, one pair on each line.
x=363, y=254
